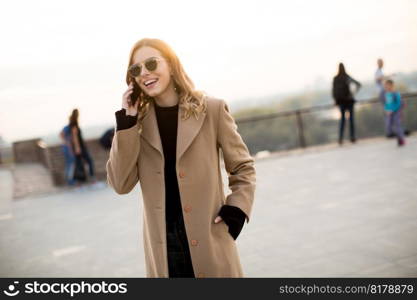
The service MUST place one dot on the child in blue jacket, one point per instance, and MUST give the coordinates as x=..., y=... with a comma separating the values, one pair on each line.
x=392, y=109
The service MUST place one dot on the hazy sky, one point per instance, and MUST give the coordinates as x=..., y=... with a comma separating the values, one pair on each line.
x=57, y=55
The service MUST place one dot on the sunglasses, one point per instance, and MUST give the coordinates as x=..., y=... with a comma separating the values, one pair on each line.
x=150, y=64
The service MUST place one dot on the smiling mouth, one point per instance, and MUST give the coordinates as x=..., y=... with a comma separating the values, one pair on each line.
x=150, y=83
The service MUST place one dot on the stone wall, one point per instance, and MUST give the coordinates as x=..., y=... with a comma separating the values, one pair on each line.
x=52, y=157
x=27, y=151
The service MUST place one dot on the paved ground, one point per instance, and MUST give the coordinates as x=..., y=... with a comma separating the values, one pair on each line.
x=31, y=179
x=324, y=212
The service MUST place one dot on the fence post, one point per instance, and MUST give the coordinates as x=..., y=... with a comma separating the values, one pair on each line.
x=300, y=127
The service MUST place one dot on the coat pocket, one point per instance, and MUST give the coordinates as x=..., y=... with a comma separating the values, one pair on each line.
x=225, y=229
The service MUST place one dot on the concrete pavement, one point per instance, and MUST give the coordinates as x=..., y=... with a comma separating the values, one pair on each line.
x=349, y=211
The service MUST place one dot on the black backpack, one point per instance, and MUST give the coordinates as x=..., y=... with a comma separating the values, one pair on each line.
x=107, y=138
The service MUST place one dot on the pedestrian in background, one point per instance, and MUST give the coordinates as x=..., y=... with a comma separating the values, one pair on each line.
x=343, y=98
x=80, y=151
x=69, y=156
x=379, y=80
x=392, y=107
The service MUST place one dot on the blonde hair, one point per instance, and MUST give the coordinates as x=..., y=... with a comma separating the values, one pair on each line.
x=193, y=101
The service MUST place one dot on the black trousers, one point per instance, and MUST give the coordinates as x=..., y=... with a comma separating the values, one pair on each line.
x=179, y=258
x=349, y=107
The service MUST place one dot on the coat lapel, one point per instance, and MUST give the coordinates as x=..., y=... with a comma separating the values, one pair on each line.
x=150, y=131
x=186, y=132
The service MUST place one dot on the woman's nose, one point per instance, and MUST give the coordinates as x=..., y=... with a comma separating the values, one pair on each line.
x=144, y=72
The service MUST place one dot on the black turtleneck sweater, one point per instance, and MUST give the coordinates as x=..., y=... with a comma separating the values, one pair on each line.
x=167, y=119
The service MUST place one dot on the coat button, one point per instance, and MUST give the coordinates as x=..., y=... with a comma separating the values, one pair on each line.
x=194, y=242
x=187, y=208
x=182, y=174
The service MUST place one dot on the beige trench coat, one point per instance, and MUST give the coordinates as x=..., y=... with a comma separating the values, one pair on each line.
x=139, y=157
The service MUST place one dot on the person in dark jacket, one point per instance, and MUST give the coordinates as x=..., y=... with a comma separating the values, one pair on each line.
x=343, y=98
x=80, y=150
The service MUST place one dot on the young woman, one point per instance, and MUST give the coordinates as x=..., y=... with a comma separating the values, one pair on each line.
x=168, y=138
x=80, y=150
x=344, y=99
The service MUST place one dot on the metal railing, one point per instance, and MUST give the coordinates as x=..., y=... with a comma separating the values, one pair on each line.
x=368, y=119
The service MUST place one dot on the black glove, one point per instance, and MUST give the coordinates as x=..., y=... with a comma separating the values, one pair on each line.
x=234, y=218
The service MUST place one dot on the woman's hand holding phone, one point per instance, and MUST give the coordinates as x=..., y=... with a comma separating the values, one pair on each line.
x=131, y=110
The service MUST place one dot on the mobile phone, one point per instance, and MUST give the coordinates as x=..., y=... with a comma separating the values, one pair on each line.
x=136, y=92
